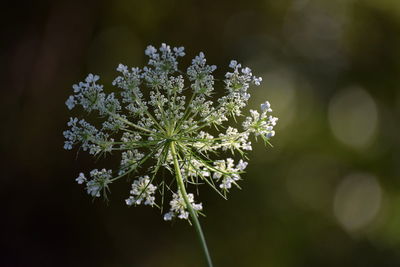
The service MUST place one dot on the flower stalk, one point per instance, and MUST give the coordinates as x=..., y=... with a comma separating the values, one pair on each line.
x=192, y=212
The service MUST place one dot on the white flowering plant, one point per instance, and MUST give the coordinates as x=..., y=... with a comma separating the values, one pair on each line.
x=164, y=117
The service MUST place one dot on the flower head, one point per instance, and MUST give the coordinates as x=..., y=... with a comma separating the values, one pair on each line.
x=161, y=117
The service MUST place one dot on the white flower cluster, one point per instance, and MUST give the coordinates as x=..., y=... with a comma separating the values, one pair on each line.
x=100, y=180
x=228, y=173
x=142, y=191
x=178, y=207
x=90, y=138
x=160, y=108
x=261, y=124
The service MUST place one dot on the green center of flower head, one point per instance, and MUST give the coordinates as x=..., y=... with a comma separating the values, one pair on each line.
x=164, y=117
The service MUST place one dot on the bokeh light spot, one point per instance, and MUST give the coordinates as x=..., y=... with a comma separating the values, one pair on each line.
x=353, y=117
x=357, y=201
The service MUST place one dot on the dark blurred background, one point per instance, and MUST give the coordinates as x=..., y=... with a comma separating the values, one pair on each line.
x=327, y=194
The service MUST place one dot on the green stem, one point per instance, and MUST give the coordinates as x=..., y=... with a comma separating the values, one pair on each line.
x=192, y=212
x=131, y=124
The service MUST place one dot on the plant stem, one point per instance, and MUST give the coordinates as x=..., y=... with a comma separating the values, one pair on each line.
x=192, y=212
